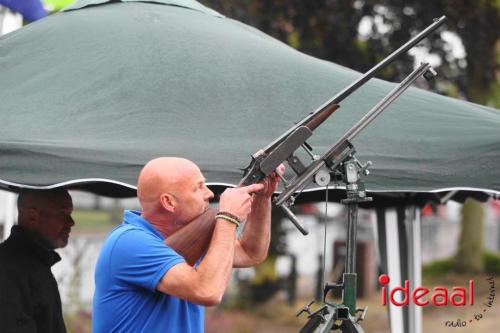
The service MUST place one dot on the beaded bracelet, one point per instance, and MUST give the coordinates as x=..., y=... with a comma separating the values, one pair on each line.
x=227, y=218
x=228, y=214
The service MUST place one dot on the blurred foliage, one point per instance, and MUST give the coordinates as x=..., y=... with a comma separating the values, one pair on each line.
x=491, y=263
x=56, y=5
x=265, y=283
x=490, y=260
x=330, y=30
x=265, y=272
x=92, y=221
x=78, y=322
x=439, y=267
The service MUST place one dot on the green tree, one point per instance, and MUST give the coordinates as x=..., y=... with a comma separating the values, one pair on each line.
x=470, y=249
x=474, y=77
x=330, y=30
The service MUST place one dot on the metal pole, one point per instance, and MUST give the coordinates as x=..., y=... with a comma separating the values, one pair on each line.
x=386, y=101
x=9, y=21
x=415, y=266
x=2, y=17
x=352, y=227
x=10, y=212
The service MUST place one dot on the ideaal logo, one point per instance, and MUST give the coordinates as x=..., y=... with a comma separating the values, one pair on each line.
x=438, y=296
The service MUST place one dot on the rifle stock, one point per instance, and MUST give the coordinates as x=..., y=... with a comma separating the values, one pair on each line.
x=192, y=240
x=321, y=117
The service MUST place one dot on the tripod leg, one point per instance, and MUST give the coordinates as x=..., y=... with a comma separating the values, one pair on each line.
x=351, y=326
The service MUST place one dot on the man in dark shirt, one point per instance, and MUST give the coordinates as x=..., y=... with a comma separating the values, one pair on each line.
x=29, y=296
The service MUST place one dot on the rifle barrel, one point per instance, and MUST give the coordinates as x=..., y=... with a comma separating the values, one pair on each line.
x=362, y=80
x=315, y=166
x=380, y=106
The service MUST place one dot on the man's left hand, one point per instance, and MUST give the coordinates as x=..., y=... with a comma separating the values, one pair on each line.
x=271, y=183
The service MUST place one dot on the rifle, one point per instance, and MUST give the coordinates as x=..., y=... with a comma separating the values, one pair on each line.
x=266, y=160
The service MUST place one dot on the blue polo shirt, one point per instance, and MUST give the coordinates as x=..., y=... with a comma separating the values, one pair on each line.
x=132, y=261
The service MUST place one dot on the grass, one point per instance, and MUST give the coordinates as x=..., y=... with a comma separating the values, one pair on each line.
x=93, y=221
x=491, y=263
x=445, y=266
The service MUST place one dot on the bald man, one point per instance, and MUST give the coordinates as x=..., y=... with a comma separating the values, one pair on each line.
x=29, y=296
x=143, y=285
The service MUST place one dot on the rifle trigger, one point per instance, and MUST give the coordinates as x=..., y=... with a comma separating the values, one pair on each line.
x=308, y=146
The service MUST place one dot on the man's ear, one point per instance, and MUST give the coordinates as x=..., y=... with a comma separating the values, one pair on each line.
x=32, y=218
x=168, y=202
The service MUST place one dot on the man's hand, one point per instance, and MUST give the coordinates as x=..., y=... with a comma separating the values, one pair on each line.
x=251, y=248
x=271, y=182
x=238, y=201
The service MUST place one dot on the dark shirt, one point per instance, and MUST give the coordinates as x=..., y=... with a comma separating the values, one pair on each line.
x=29, y=297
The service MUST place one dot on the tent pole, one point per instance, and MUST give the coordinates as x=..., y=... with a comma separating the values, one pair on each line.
x=10, y=210
x=9, y=21
x=393, y=259
x=414, y=265
x=2, y=15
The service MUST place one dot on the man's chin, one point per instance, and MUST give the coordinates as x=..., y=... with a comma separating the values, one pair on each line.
x=203, y=211
x=60, y=243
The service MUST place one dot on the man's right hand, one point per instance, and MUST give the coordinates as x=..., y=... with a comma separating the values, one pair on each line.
x=205, y=283
x=238, y=201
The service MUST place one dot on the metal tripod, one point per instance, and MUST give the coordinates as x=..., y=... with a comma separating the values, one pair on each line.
x=344, y=316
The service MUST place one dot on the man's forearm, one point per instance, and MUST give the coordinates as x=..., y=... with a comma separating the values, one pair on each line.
x=215, y=268
x=257, y=232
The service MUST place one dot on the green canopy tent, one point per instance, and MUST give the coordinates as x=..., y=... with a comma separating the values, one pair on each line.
x=92, y=93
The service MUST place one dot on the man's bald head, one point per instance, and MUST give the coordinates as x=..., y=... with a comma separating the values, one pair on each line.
x=172, y=189
x=163, y=174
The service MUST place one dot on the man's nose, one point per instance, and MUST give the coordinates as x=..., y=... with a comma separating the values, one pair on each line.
x=210, y=194
x=70, y=221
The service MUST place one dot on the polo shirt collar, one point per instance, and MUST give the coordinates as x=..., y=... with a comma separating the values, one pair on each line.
x=133, y=217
